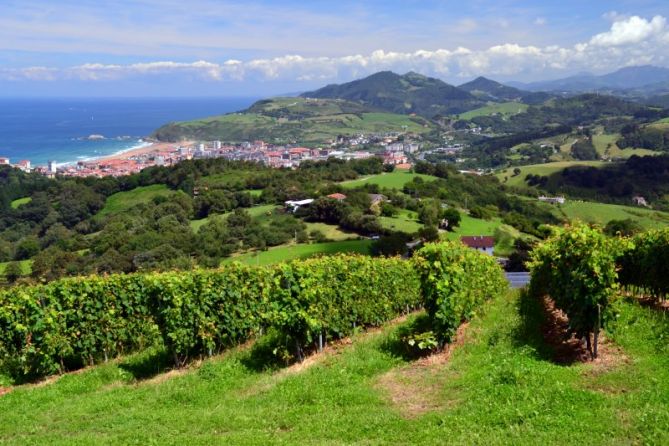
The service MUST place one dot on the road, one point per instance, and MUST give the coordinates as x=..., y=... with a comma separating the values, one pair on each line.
x=518, y=280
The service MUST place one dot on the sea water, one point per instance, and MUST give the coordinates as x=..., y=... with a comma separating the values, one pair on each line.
x=69, y=130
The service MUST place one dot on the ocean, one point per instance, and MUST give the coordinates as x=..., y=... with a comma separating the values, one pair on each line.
x=40, y=130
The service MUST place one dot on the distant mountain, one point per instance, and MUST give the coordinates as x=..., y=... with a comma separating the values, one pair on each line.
x=409, y=93
x=627, y=78
x=489, y=90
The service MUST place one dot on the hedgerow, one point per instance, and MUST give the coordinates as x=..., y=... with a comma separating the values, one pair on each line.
x=455, y=282
x=69, y=323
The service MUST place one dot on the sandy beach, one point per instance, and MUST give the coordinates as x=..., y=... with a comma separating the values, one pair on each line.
x=154, y=147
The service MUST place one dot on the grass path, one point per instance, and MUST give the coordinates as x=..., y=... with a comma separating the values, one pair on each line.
x=498, y=387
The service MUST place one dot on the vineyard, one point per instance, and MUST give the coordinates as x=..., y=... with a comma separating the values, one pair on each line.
x=70, y=323
x=583, y=271
x=229, y=355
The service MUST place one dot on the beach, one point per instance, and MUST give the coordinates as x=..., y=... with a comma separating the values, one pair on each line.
x=152, y=147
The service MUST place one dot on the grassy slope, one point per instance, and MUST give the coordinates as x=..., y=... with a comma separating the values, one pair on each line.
x=497, y=388
x=392, y=180
x=305, y=121
x=540, y=169
x=601, y=213
x=332, y=232
x=279, y=254
x=26, y=267
x=504, y=108
x=123, y=201
x=405, y=221
x=256, y=211
x=20, y=201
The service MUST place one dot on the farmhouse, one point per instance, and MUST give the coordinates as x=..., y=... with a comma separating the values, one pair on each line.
x=294, y=205
x=337, y=196
x=552, y=200
x=483, y=243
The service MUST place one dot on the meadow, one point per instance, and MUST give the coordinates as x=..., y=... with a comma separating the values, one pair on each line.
x=285, y=253
x=122, y=201
x=391, y=180
x=507, y=177
x=504, y=109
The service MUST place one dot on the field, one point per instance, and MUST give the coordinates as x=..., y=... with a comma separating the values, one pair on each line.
x=504, y=109
x=500, y=386
x=279, y=254
x=122, y=201
x=332, y=232
x=256, y=211
x=404, y=221
x=20, y=201
x=392, y=180
x=26, y=267
x=601, y=213
x=606, y=147
x=539, y=169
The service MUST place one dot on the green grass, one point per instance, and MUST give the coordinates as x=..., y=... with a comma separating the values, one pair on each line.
x=601, y=213
x=539, y=169
x=332, y=232
x=474, y=226
x=499, y=387
x=26, y=267
x=404, y=221
x=504, y=109
x=123, y=201
x=255, y=212
x=20, y=202
x=392, y=180
x=284, y=253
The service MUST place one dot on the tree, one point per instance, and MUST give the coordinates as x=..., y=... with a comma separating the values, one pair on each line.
x=626, y=227
x=391, y=245
x=453, y=217
x=13, y=272
x=429, y=233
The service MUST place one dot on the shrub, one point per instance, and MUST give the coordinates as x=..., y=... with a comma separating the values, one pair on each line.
x=455, y=282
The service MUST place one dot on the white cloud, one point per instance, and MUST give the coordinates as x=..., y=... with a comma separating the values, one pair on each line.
x=540, y=21
x=631, y=31
x=629, y=41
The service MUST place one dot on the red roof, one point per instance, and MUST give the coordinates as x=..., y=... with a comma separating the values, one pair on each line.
x=478, y=241
x=337, y=196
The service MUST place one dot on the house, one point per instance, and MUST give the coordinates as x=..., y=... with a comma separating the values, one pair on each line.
x=377, y=198
x=337, y=196
x=483, y=243
x=552, y=200
x=4, y=161
x=640, y=201
x=294, y=205
x=24, y=165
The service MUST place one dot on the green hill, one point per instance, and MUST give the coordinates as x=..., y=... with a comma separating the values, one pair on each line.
x=487, y=89
x=410, y=93
x=293, y=120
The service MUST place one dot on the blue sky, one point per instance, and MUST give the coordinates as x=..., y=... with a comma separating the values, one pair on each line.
x=209, y=47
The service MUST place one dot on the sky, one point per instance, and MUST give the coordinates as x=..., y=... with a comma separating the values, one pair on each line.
x=261, y=47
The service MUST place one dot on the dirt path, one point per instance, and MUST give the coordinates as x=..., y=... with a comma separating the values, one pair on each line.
x=416, y=388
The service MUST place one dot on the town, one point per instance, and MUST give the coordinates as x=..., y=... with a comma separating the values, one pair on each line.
x=391, y=147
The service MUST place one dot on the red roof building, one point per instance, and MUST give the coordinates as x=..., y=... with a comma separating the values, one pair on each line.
x=484, y=243
x=337, y=196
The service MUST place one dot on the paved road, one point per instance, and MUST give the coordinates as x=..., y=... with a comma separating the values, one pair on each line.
x=518, y=280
